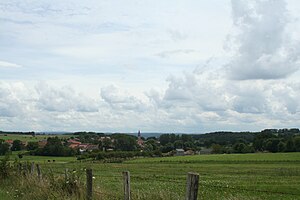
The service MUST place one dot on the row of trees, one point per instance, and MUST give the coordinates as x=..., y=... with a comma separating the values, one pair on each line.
x=266, y=141
x=17, y=145
x=54, y=147
x=271, y=140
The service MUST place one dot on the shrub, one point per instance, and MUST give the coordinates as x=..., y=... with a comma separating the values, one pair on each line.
x=5, y=168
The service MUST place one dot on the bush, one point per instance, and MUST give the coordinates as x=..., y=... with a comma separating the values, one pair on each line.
x=5, y=168
x=115, y=154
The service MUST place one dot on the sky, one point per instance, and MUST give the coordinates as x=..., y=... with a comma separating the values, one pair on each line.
x=156, y=66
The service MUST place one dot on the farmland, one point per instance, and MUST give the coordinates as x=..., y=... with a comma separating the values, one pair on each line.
x=222, y=176
x=235, y=176
x=30, y=138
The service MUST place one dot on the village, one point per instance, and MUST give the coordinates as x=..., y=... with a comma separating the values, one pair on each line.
x=81, y=143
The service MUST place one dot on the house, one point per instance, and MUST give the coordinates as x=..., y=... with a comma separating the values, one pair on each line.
x=104, y=138
x=179, y=152
x=9, y=141
x=189, y=153
x=83, y=146
x=205, y=151
x=92, y=147
x=73, y=146
x=86, y=147
x=74, y=142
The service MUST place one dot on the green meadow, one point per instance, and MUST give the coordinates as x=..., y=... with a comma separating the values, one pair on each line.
x=30, y=138
x=234, y=176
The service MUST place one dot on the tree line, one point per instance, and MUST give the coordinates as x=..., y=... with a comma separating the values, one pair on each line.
x=268, y=140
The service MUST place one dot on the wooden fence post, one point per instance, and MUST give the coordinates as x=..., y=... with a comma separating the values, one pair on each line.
x=89, y=184
x=66, y=175
x=39, y=171
x=19, y=168
x=192, y=186
x=126, y=179
x=25, y=168
x=32, y=168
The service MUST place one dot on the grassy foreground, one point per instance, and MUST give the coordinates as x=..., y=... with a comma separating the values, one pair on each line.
x=235, y=176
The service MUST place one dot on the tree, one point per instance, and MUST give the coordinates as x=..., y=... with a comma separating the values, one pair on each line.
x=4, y=148
x=281, y=146
x=32, y=146
x=153, y=143
x=164, y=139
x=178, y=144
x=240, y=148
x=54, y=147
x=272, y=144
x=186, y=138
x=216, y=148
x=17, y=145
x=126, y=143
x=290, y=146
x=106, y=143
x=188, y=145
x=297, y=143
x=148, y=148
x=260, y=139
x=167, y=148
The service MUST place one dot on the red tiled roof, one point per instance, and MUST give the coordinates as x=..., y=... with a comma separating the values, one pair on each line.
x=74, y=142
x=73, y=146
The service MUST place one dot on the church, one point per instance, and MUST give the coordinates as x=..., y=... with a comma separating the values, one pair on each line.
x=140, y=140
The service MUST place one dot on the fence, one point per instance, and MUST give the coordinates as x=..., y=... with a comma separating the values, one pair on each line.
x=191, y=184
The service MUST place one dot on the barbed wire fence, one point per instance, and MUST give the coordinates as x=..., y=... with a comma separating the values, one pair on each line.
x=191, y=186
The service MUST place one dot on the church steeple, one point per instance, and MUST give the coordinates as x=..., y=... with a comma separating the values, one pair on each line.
x=139, y=140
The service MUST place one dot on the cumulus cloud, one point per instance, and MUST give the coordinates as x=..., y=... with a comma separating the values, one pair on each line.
x=263, y=48
x=120, y=99
x=196, y=90
x=63, y=99
x=205, y=101
x=249, y=97
x=286, y=97
x=11, y=104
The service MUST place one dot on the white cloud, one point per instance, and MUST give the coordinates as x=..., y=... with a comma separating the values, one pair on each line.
x=122, y=100
x=13, y=99
x=73, y=50
x=263, y=46
x=9, y=64
x=63, y=100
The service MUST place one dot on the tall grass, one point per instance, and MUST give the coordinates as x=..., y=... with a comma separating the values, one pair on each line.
x=16, y=184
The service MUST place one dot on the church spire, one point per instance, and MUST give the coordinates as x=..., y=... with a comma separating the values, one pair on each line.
x=139, y=134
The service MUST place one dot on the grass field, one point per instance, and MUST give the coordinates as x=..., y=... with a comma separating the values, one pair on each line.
x=236, y=176
x=30, y=138
x=229, y=177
